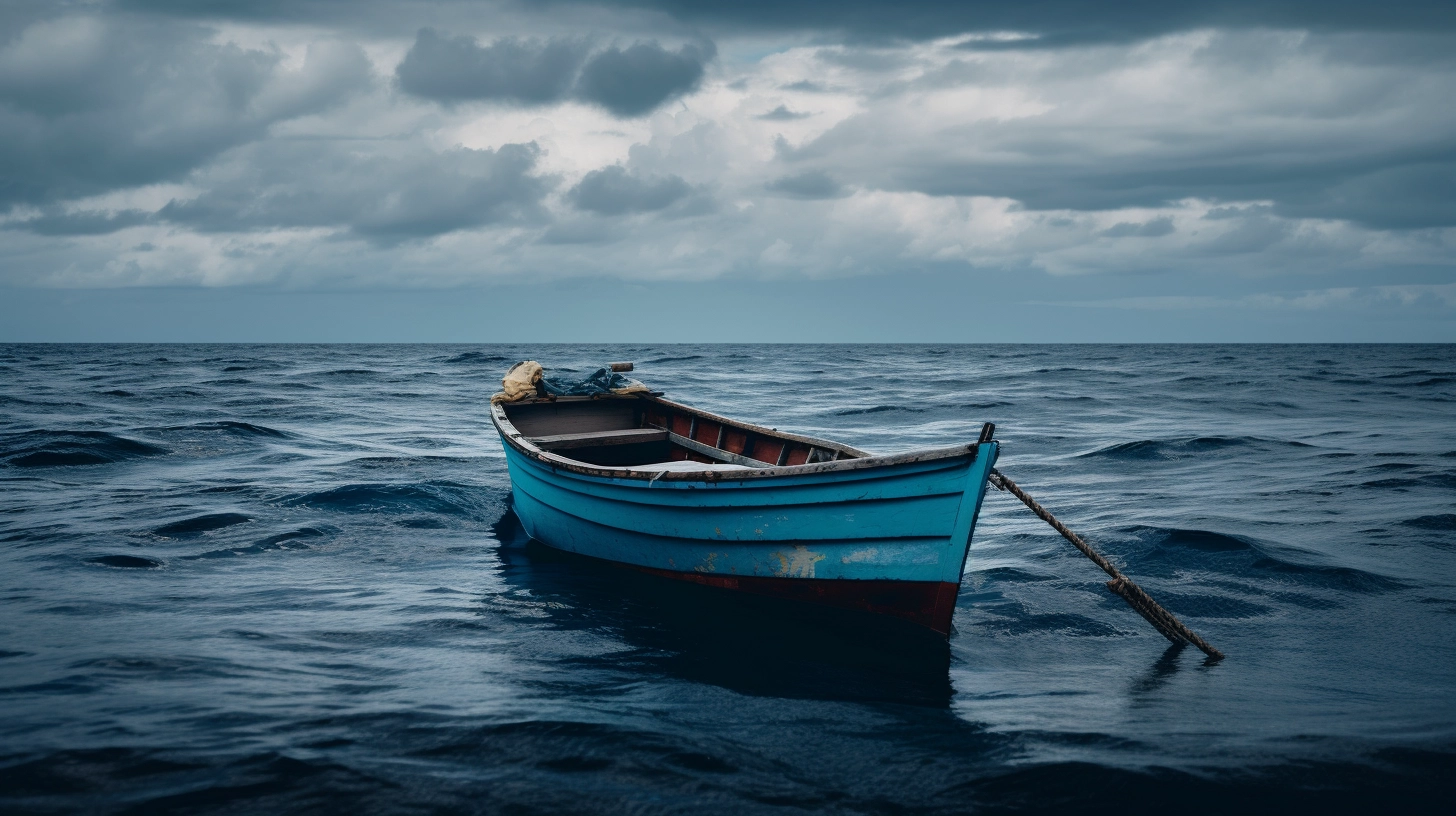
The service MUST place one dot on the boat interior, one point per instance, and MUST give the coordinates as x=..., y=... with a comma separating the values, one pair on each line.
x=642, y=432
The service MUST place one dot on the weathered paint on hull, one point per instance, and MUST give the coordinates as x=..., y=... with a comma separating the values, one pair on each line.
x=890, y=540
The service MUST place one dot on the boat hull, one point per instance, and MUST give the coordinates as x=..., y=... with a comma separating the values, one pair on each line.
x=888, y=539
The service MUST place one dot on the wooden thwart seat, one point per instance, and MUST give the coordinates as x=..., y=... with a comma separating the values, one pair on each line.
x=715, y=453
x=595, y=439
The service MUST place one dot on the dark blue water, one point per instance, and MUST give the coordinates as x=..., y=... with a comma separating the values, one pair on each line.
x=286, y=579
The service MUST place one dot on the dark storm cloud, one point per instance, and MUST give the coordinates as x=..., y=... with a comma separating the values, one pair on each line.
x=451, y=69
x=90, y=105
x=1379, y=191
x=1156, y=228
x=627, y=82
x=1059, y=21
x=808, y=185
x=1405, y=196
x=633, y=81
x=782, y=114
x=1268, y=116
x=613, y=191
x=392, y=195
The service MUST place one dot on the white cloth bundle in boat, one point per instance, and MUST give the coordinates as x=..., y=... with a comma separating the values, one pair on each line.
x=686, y=466
x=519, y=382
x=527, y=379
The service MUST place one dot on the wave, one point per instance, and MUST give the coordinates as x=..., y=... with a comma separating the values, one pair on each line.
x=226, y=488
x=1431, y=374
x=422, y=523
x=255, y=366
x=155, y=781
x=1013, y=575
x=117, y=392
x=1208, y=605
x=44, y=448
x=683, y=359
x=282, y=541
x=1205, y=540
x=125, y=562
x=169, y=667
x=1184, y=447
x=392, y=461
x=447, y=498
x=1342, y=578
x=1444, y=521
x=474, y=357
x=232, y=427
x=877, y=409
x=1016, y=619
x=1446, y=480
x=1215, y=550
x=200, y=524
x=1386, y=466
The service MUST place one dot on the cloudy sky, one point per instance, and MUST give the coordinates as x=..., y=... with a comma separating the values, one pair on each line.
x=670, y=170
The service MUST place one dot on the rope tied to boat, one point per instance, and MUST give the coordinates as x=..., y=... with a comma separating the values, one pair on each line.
x=1120, y=585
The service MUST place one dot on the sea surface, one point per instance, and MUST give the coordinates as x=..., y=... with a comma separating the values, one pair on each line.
x=287, y=579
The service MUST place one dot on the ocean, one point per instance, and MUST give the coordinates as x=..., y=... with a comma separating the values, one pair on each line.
x=287, y=579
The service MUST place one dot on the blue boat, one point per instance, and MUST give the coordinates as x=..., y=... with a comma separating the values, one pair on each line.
x=675, y=491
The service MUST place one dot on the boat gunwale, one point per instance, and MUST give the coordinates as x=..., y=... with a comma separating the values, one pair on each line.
x=863, y=460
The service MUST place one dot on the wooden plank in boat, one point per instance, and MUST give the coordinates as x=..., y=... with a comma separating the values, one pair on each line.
x=714, y=453
x=542, y=419
x=594, y=439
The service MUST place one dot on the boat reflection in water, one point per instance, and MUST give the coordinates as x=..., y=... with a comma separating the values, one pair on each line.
x=749, y=644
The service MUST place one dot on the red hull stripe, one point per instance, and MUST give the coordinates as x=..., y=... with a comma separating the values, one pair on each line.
x=927, y=603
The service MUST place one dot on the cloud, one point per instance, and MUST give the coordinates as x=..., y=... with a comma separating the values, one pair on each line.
x=613, y=191
x=222, y=144
x=89, y=104
x=628, y=82
x=388, y=195
x=809, y=184
x=1429, y=297
x=633, y=81
x=1060, y=22
x=1156, y=228
x=451, y=69
x=1412, y=193
x=1278, y=117
x=85, y=222
x=782, y=114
